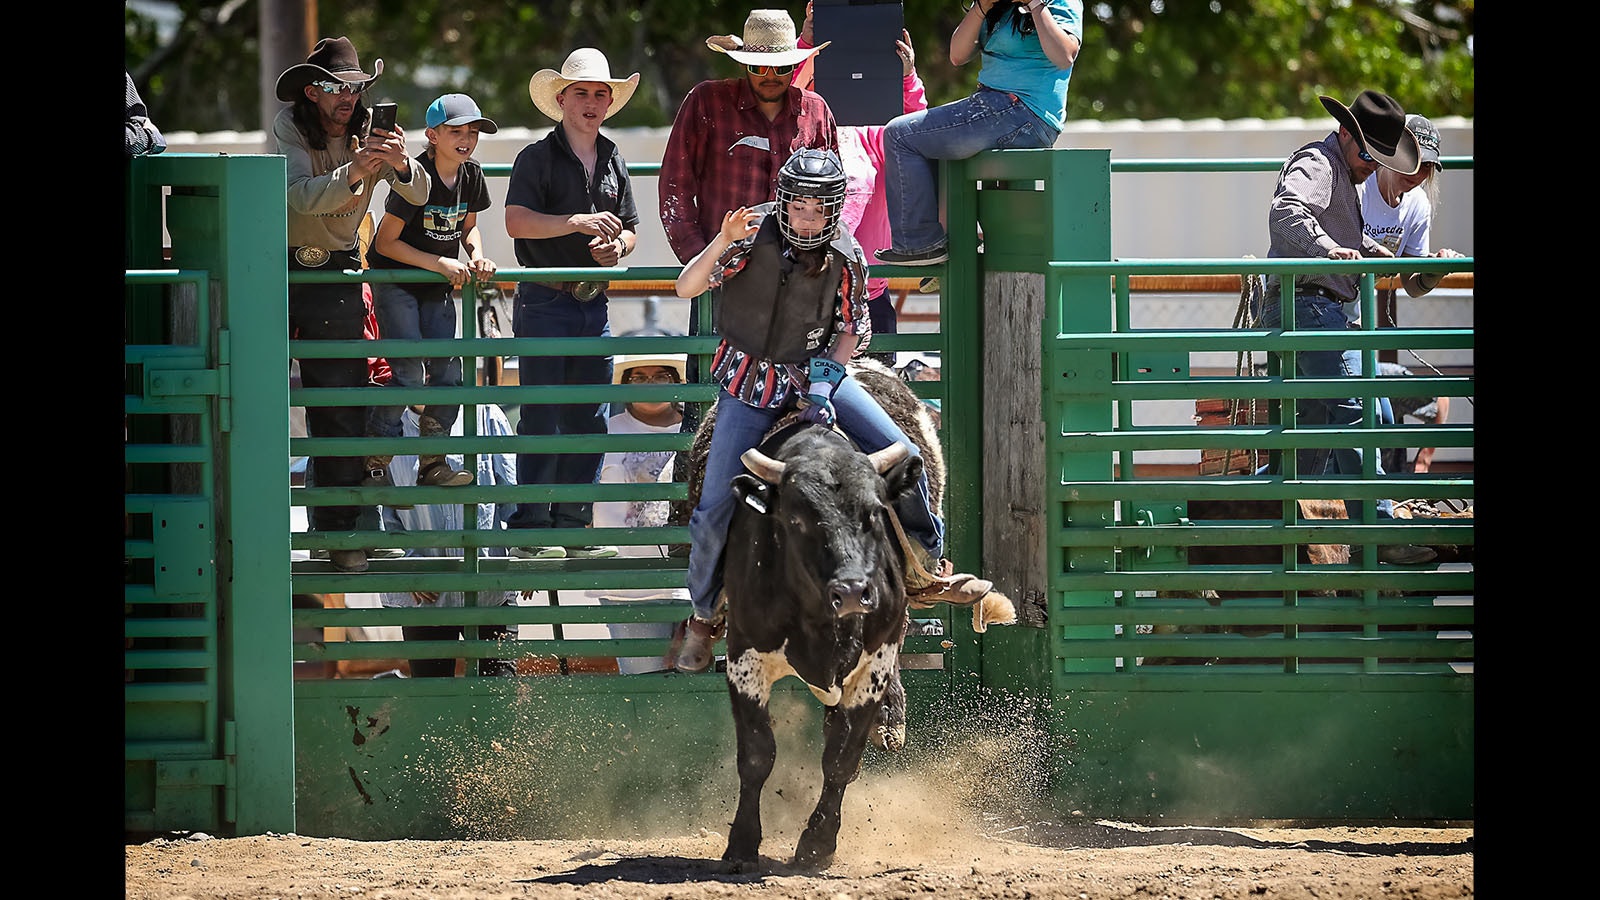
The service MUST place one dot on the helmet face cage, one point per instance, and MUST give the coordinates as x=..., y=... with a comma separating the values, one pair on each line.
x=811, y=173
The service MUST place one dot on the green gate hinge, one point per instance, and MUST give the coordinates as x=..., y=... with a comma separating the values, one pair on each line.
x=182, y=383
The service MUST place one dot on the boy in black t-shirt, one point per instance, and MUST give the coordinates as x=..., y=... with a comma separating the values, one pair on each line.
x=431, y=237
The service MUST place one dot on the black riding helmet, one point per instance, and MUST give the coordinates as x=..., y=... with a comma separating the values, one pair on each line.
x=811, y=173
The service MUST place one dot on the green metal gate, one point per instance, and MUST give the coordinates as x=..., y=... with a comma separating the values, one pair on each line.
x=221, y=737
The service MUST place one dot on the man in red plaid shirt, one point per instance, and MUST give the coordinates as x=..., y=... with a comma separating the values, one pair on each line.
x=731, y=136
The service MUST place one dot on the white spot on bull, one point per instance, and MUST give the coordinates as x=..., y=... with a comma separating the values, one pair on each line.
x=752, y=674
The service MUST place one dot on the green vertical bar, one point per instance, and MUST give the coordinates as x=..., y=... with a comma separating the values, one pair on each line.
x=233, y=221
x=961, y=349
x=1077, y=384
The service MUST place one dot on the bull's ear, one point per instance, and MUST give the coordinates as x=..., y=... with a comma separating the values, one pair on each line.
x=752, y=492
x=903, y=476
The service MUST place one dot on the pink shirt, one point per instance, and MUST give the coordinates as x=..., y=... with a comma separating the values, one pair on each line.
x=866, y=207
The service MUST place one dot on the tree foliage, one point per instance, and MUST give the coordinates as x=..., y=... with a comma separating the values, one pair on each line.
x=1141, y=59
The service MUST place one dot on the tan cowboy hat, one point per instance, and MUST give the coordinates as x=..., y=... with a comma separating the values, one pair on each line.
x=583, y=64
x=622, y=362
x=769, y=40
x=333, y=59
x=1379, y=126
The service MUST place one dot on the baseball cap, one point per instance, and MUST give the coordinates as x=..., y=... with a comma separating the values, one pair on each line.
x=1427, y=138
x=459, y=109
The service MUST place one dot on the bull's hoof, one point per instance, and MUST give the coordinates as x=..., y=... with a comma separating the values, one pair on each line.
x=739, y=866
x=811, y=859
x=890, y=732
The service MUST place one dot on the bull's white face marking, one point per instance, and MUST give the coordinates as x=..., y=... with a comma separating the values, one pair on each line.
x=752, y=674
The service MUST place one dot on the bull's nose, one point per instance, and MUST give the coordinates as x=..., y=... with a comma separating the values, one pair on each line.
x=849, y=596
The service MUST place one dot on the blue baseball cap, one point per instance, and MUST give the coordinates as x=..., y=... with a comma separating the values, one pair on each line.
x=459, y=109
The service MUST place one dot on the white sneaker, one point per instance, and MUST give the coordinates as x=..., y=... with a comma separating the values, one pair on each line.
x=539, y=552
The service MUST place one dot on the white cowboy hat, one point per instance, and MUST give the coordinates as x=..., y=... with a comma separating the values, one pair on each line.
x=622, y=362
x=769, y=40
x=583, y=64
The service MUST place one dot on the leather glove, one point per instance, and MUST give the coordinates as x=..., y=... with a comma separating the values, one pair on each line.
x=825, y=375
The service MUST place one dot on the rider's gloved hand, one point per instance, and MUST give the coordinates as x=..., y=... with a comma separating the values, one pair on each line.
x=825, y=376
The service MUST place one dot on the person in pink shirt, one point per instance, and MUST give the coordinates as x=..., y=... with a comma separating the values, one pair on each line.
x=866, y=206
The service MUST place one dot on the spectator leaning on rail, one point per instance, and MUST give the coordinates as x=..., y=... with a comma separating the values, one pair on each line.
x=431, y=237
x=1316, y=212
x=569, y=205
x=1029, y=48
x=141, y=137
x=332, y=173
x=1398, y=216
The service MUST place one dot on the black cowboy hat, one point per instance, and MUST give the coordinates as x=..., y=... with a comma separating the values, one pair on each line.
x=333, y=59
x=1379, y=126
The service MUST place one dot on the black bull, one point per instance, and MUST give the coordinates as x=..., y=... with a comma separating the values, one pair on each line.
x=815, y=586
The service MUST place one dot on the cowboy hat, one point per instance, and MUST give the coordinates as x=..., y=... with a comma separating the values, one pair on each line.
x=583, y=64
x=1379, y=126
x=622, y=362
x=768, y=40
x=333, y=59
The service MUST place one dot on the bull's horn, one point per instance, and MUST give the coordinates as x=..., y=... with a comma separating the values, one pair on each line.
x=888, y=456
x=763, y=466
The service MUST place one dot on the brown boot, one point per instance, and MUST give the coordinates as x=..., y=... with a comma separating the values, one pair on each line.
x=699, y=638
x=378, y=476
x=431, y=467
x=928, y=582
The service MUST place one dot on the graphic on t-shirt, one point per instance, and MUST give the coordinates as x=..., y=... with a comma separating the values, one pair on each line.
x=443, y=223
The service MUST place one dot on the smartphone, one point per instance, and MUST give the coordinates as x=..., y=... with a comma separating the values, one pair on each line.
x=382, y=117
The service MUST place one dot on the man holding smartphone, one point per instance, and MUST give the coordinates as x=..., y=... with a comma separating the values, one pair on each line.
x=332, y=172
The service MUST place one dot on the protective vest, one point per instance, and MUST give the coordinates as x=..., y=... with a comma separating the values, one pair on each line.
x=771, y=309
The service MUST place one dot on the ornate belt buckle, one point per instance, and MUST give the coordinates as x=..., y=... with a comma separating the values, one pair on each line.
x=311, y=257
x=588, y=290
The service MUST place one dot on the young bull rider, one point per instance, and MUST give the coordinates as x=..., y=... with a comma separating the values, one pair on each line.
x=791, y=311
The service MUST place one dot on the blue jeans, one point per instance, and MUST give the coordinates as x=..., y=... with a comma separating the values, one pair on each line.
x=1316, y=312
x=411, y=312
x=739, y=427
x=913, y=144
x=540, y=311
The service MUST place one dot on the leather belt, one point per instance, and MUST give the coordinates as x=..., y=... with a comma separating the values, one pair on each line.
x=582, y=290
x=1321, y=292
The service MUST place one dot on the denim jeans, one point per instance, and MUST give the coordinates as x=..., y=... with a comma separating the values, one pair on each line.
x=739, y=427
x=335, y=312
x=410, y=312
x=913, y=144
x=540, y=311
x=1316, y=312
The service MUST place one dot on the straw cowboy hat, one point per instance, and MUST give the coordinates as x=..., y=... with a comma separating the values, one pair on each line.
x=622, y=362
x=769, y=40
x=583, y=64
x=333, y=59
x=1379, y=126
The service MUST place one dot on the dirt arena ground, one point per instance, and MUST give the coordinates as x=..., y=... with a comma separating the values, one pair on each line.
x=1041, y=861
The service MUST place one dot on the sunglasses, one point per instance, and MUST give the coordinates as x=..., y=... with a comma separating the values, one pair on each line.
x=342, y=87
x=658, y=378
x=1365, y=156
x=772, y=70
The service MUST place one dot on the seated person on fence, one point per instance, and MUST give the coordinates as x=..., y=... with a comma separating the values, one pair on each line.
x=493, y=468
x=633, y=467
x=795, y=242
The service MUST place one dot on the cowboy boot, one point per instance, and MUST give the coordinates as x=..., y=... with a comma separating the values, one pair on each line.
x=432, y=468
x=929, y=582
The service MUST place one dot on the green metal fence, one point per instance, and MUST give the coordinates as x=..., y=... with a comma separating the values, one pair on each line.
x=1296, y=691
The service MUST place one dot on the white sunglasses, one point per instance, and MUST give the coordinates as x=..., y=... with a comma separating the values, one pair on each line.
x=346, y=87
